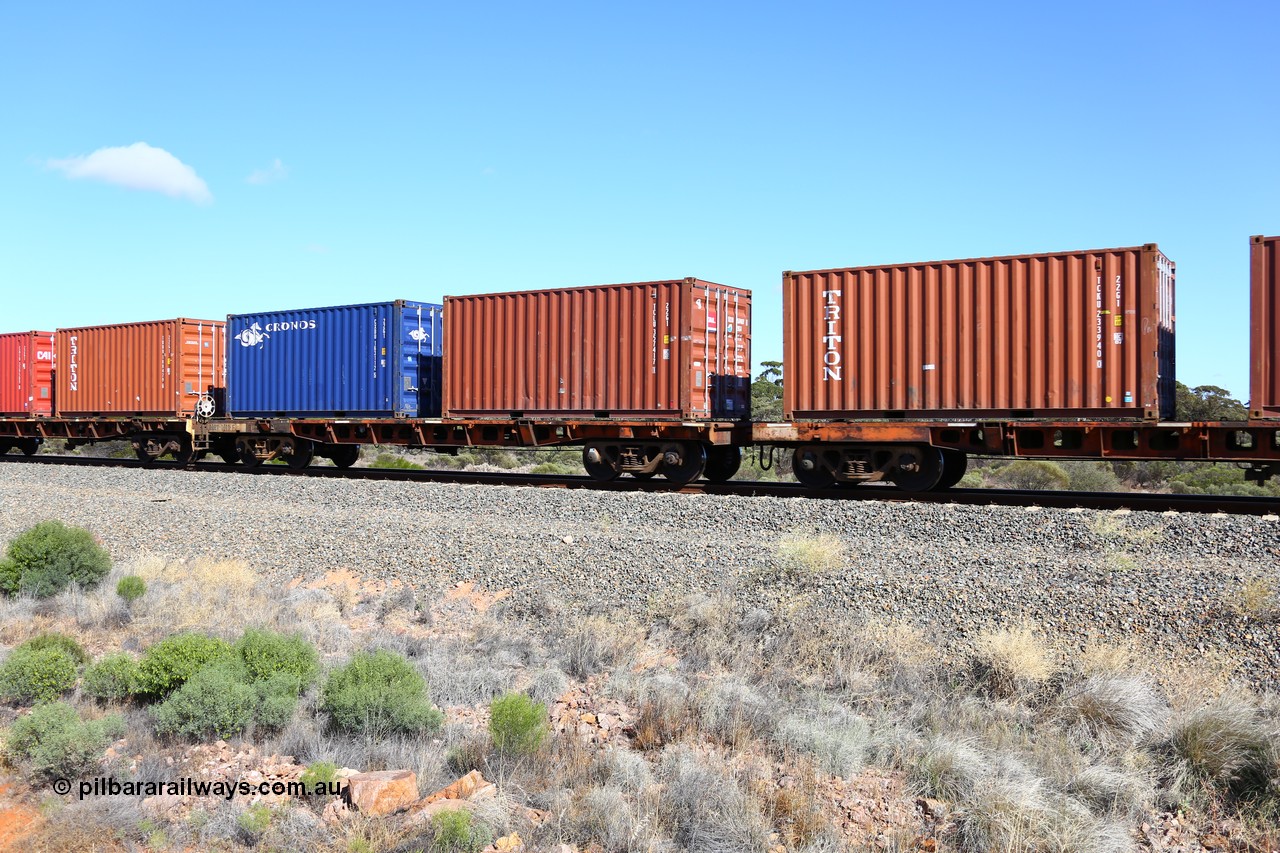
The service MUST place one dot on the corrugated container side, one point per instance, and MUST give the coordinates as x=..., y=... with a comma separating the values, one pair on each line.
x=677, y=349
x=26, y=374
x=373, y=360
x=1076, y=334
x=162, y=367
x=1264, y=327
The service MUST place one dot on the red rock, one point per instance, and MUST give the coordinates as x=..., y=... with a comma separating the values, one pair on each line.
x=383, y=792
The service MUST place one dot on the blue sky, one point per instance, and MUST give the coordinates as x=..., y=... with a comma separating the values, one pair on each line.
x=316, y=154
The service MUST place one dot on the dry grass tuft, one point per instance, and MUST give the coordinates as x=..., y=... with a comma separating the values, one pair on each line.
x=838, y=740
x=1258, y=599
x=1109, y=789
x=1227, y=744
x=801, y=554
x=949, y=769
x=598, y=644
x=1113, y=709
x=796, y=815
x=666, y=714
x=211, y=596
x=1012, y=662
x=1099, y=657
x=705, y=809
x=736, y=713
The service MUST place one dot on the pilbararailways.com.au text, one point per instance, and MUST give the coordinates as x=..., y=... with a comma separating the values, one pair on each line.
x=106, y=786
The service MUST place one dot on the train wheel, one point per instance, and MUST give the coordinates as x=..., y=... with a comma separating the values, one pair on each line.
x=186, y=454
x=229, y=456
x=919, y=469
x=683, y=463
x=145, y=456
x=954, y=464
x=807, y=465
x=5, y=447
x=303, y=453
x=343, y=455
x=601, y=462
x=722, y=462
x=29, y=446
x=245, y=451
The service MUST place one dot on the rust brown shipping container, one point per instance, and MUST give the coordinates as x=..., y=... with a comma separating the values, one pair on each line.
x=165, y=367
x=678, y=349
x=1264, y=327
x=1070, y=334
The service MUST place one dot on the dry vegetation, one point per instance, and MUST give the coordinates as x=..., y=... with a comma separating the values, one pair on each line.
x=730, y=730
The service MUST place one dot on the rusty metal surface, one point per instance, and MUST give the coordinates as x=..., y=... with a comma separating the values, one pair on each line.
x=678, y=349
x=1264, y=327
x=161, y=367
x=1254, y=441
x=26, y=374
x=1087, y=334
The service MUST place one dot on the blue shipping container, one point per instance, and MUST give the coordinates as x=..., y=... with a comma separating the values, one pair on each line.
x=380, y=360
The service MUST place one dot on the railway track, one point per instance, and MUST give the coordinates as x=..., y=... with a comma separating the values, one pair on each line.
x=1228, y=504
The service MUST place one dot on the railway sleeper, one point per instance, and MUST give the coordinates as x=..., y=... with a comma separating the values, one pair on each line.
x=910, y=467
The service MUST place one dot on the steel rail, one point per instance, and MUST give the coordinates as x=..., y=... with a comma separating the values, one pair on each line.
x=1145, y=501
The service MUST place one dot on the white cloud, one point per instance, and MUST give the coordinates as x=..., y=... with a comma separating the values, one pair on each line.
x=138, y=167
x=277, y=172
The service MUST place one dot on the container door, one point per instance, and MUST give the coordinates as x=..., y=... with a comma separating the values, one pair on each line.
x=418, y=392
x=720, y=375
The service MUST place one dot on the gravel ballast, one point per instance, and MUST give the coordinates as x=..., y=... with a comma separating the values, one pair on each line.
x=1171, y=582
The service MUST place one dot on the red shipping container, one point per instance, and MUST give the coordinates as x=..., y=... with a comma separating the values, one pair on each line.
x=678, y=349
x=1264, y=327
x=26, y=374
x=1072, y=334
x=165, y=367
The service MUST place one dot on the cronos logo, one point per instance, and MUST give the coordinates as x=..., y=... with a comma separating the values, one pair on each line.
x=257, y=335
x=252, y=336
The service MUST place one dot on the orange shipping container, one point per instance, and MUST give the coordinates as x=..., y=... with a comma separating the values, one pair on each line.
x=1072, y=334
x=1264, y=330
x=677, y=349
x=26, y=374
x=164, y=367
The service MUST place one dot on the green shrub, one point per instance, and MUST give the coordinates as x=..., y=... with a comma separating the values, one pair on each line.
x=131, y=588
x=216, y=700
x=37, y=675
x=972, y=480
x=61, y=642
x=254, y=821
x=319, y=773
x=1032, y=474
x=378, y=692
x=1092, y=477
x=453, y=831
x=222, y=699
x=58, y=743
x=391, y=460
x=267, y=655
x=518, y=724
x=166, y=665
x=277, y=699
x=115, y=677
x=47, y=558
